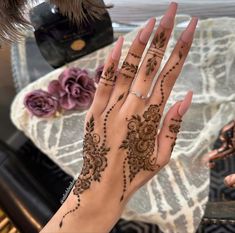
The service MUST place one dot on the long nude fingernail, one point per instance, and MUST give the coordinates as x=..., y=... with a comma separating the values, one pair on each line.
x=187, y=34
x=147, y=31
x=185, y=104
x=117, y=50
x=228, y=180
x=168, y=19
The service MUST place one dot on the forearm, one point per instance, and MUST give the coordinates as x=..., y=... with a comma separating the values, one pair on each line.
x=95, y=215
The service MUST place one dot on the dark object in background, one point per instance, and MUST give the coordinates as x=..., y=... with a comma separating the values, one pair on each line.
x=31, y=187
x=61, y=40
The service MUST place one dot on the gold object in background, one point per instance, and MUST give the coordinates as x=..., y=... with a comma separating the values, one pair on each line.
x=5, y=224
x=78, y=45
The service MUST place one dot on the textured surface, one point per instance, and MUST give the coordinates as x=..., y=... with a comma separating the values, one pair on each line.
x=218, y=191
x=139, y=10
x=175, y=198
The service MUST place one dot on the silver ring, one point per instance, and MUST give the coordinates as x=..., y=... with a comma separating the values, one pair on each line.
x=137, y=94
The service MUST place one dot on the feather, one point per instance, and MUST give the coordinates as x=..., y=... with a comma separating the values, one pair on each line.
x=81, y=10
x=13, y=22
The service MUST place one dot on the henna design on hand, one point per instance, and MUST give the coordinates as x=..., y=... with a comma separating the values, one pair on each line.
x=180, y=55
x=126, y=75
x=109, y=75
x=135, y=55
x=130, y=67
x=140, y=143
x=95, y=159
x=141, y=135
x=156, y=51
x=174, y=128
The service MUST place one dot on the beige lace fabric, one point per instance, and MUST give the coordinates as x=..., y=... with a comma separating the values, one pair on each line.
x=175, y=198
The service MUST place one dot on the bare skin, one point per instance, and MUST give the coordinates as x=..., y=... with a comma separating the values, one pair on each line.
x=124, y=145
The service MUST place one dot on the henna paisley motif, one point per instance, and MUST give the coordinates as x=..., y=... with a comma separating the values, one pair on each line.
x=140, y=143
x=94, y=158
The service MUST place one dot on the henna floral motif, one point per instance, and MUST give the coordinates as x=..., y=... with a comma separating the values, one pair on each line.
x=95, y=159
x=140, y=142
x=156, y=51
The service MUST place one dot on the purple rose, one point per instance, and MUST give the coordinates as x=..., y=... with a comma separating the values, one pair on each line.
x=75, y=89
x=98, y=73
x=41, y=104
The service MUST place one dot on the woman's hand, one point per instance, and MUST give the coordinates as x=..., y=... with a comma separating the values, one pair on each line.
x=124, y=145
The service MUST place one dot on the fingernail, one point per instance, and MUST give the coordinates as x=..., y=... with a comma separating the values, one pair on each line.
x=147, y=31
x=168, y=19
x=185, y=104
x=117, y=50
x=187, y=35
x=228, y=180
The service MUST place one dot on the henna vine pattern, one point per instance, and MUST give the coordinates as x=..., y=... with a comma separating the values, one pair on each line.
x=174, y=128
x=180, y=55
x=109, y=75
x=95, y=160
x=130, y=67
x=156, y=51
x=139, y=143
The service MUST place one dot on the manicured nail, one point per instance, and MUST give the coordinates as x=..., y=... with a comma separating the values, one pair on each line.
x=147, y=31
x=185, y=104
x=187, y=35
x=168, y=19
x=228, y=180
x=117, y=50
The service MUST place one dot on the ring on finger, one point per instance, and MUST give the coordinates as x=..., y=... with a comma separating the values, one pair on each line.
x=137, y=94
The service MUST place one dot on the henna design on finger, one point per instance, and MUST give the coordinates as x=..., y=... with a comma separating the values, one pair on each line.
x=129, y=67
x=135, y=55
x=109, y=75
x=140, y=143
x=180, y=55
x=127, y=76
x=95, y=159
x=156, y=51
x=174, y=128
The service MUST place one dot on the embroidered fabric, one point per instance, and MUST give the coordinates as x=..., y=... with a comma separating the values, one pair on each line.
x=175, y=199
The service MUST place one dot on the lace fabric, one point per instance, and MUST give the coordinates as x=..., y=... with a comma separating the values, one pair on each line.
x=175, y=199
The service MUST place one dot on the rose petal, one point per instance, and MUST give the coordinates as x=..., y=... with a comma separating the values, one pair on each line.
x=84, y=101
x=67, y=102
x=75, y=90
x=82, y=79
x=54, y=88
x=65, y=76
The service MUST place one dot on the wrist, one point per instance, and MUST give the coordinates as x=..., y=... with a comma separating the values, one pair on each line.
x=97, y=213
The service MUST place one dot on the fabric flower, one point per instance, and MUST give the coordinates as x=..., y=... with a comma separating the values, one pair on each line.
x=41, y=104
x=74, y=88
x=98, y=73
